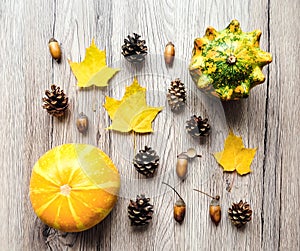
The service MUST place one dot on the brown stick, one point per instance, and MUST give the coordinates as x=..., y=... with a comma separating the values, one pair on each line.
x=173, y=190
x=204, y=193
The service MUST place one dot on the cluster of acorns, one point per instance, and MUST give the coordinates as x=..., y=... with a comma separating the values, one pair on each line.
x=146, y=161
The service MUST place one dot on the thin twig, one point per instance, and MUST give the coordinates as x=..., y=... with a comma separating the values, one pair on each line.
x=173, y=190
x=204, y=193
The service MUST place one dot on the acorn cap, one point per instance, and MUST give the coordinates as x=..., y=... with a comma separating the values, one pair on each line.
x=52, y=40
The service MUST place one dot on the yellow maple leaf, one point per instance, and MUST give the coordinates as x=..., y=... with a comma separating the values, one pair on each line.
x=93, y=69
x=131, y=113
x=235, y=156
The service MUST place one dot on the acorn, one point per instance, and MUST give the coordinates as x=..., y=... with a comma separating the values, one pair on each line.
x=82, y=123
x=54, y=49
x=182, y=162
x=169, y=53
x=179, y=207
x=181, y=165
x=214, y=208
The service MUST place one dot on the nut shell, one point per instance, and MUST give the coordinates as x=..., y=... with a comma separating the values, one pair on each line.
x=181, y=166
x=215, y=214
x=54, y=49
x=169, y=53
x=179, y=211
x=82, y=123
x=215, y=210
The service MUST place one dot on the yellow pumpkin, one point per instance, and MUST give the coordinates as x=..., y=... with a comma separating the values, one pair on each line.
x=73, y=187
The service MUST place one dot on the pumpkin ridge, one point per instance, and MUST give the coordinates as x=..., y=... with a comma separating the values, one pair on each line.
x=42, y=208
x=95, y=210
x=74, y=172
x=55, y=223
x=38, y=171
x=103, y=186
x=79, y=224
x=62, y=156
x=82, y=195
x=50, y=184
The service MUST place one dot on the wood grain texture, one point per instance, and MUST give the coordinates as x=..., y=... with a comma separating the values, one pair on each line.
x=268, y=119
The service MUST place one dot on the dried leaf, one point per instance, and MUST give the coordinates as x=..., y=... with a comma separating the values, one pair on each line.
x=93, y=69
x=235, y=156
x=132, y=112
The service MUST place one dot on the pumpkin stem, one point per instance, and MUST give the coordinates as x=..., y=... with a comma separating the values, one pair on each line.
x=231, y=59
x=65, y=189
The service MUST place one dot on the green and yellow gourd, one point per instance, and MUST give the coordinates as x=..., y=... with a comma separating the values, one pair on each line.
x=227, y=64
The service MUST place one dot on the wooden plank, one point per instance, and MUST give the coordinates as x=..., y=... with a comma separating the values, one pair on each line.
x=282, y=196
x=37, y=63
x=12, y=125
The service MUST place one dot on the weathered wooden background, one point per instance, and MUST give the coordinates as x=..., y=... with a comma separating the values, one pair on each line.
x=268, y=119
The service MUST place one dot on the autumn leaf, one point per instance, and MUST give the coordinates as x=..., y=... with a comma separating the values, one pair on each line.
x=131, y=113
x=235, y=156
x=93, y=69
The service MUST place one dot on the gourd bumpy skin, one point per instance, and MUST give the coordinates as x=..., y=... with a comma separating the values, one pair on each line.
x=227, y=64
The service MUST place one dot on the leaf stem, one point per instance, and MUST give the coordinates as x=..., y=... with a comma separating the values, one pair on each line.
x=232, y=182
x=94, y=99
x=134, y=143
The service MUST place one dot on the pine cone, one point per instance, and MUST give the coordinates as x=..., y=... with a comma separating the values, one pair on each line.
x=134, y=49
x=146, y=161
x=140, y=211
x=56, y=102
x=240, y=213
x=176, y=96
x=197, y=126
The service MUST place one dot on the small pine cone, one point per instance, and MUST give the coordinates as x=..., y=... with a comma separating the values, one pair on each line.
x=146, y=161
x=240, y=213
x=140, y=211
x=176, y=95
x=56, y=102
x=134, y=49
x=197, y=126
